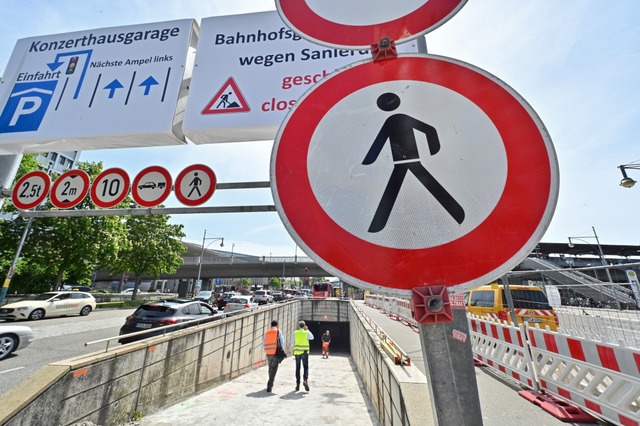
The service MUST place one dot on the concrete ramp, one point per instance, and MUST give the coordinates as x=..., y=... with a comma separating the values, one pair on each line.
x=335, y=397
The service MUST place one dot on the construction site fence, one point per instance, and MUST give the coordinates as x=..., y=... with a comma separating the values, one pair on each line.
x=601, y=378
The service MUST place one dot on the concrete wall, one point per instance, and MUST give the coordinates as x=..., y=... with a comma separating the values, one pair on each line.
x=400, y=395
x=108, y=388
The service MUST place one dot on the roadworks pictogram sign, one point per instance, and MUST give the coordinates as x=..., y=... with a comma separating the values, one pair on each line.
x=228, y=99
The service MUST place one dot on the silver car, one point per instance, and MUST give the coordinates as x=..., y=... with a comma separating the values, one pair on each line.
x=14, y=337
x=240, y=303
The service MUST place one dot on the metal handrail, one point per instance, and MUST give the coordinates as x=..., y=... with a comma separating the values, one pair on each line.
x=391, y=348
x=221, y=315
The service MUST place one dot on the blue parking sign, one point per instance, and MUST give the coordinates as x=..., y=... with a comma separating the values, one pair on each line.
x=27, y=106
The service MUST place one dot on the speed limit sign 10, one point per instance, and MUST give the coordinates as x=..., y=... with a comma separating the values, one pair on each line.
x=110, y=188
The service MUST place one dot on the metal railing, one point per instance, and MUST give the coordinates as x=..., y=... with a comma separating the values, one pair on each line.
x=226, y=259
x=391, y=348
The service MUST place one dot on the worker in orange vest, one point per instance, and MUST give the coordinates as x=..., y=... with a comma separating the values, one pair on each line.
x=272, y=337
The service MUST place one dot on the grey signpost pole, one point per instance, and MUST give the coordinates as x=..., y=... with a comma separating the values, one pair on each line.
x=8, y=167
x=448, y=358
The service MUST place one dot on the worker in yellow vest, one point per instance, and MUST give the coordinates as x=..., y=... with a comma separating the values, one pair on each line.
x=301, y=338
x=272, y=337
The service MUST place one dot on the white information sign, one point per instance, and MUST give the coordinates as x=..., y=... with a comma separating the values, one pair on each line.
x=104, y=88
x=250, y=70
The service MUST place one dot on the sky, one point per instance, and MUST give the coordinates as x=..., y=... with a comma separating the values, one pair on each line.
x=575, y=62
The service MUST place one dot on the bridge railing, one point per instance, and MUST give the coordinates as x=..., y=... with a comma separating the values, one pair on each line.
x=226, y=260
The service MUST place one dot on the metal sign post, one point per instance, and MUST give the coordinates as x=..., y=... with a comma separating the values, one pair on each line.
x=448, y=358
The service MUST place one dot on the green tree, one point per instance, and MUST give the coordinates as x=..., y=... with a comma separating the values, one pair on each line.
x=75, y=246
x=274, y=282
x=152, y=248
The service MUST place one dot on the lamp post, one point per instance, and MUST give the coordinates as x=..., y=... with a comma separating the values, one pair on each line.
x=626, y=181
x=602, y=259
x=233, y=246
x=204, y=239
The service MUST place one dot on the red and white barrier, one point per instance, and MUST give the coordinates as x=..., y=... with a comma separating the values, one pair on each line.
x=500, y=345
x=603, y=379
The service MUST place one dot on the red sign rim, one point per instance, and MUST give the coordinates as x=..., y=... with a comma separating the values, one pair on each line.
x=298, y=15
x=206, y=196
x=85, y=190
x=402, y=269
x=167, y=190
x=26, y=206
x=94, y=188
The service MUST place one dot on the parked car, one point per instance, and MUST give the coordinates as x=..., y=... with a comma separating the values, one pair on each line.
x=205, y=296
x=51, y=304
x=224, y=298
x=166, y=312
x=240, y=303
x=14, y=337
x=262, y=297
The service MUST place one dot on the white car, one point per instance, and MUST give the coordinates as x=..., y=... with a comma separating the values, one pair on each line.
x=51, y=304
x=14, y=337
x=240, y=303
x=262, y=297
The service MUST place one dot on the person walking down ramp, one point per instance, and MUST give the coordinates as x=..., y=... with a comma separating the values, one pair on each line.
x=326, y=339
x=272, y=337
x=301, y=338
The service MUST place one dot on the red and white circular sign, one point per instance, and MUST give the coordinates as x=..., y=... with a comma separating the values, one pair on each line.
x=416, y=171
x=361, y=23
x=70, y=189
x=151, y=186
x=110, y=188
x=195, y=185
x=31, y=190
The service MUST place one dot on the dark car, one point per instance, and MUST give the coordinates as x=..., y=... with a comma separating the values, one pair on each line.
x=224, y=298
x=205, y=296
x=278, y=296
x=167, y=312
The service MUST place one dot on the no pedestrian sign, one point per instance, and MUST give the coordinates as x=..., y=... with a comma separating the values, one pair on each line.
x=360, y=23
x=415, y=171
x=195, y=185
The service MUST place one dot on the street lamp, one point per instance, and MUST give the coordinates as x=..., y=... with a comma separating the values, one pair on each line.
x=602, y=259
x=204, y=239
x=626, y=181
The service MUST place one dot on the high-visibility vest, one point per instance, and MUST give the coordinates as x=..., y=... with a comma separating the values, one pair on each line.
x=300, y=342
x=271, y=341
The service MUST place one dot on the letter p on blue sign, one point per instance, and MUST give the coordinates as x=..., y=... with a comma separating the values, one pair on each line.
x=26, y=106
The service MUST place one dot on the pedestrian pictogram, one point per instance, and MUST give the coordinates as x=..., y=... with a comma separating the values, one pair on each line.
x=31, y=190
x=195, y=185
x=413, y=168
x=398, y=129
x=228, y=99
x=70, y=189
x=151, y=186
x=110, y=188
x=361, y=23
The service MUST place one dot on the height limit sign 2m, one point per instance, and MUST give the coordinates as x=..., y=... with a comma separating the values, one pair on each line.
x=420, y=170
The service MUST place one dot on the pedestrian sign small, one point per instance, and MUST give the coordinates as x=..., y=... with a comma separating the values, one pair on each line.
x=195, y=185
x=228, y=99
